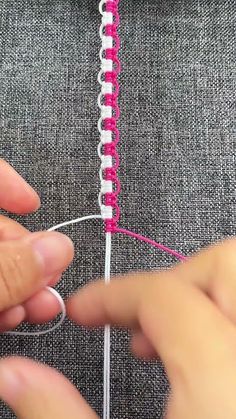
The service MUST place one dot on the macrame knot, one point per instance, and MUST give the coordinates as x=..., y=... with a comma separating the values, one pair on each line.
x=111, y=77
x=111, y=54
x=110, y=174
x=111, y=100
x=110, y=124
x=109, y=149
x=110, y=225
x=111, y=199
x=111, y=30
x=111, y=6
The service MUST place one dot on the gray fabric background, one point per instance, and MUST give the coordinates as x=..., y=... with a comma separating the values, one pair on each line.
x=178, y=155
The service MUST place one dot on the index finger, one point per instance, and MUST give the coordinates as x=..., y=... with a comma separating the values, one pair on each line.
x=15, y=193
x=183, y=325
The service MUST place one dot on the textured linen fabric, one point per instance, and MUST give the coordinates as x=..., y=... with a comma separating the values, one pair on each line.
x=177, y=156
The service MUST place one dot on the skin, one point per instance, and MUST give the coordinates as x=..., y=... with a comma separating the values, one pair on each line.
x=22, y=199
x=185, y=315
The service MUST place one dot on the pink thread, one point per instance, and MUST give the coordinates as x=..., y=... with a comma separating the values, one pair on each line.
x=149, y=241
x=110, y=174
x=110, y=100
x=117, y=160
x=118, y=186
x=111, y=30
x=109, y=149
x=111, y=199
x=117, y=42
x=111, y=54
x=111, y=6
x=111, y=77
x=117, y=215
x=117, y=136
x=110, y=225
x=116, y=112
x=110, y=124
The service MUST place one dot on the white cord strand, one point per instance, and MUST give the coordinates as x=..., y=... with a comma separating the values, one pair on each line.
x=107, y=337
x=50, y=329
x=76, y=221
x=52, y=290
x=106, y=187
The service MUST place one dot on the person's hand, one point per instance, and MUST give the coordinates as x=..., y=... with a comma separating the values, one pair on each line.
x=28, y=261
x=186, y=316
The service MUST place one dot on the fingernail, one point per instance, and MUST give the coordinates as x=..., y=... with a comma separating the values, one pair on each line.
x=10, y=384
x=54, y=251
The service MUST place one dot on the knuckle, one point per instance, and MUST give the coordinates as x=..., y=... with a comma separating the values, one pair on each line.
x=11, y=279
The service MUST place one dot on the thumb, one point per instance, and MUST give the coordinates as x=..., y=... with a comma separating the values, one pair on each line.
x=37, y=391
x=26, y=265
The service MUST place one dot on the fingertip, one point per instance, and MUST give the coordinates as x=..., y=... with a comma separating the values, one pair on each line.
x=78, y=308
x=85, y=309
x=29, y=388
x=24, y=201
x=16, y=195
x=11, y=318
x=42, y=307
x=72, y=308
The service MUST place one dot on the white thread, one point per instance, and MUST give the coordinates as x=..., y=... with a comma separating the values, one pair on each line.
x=76, y=221
x=100, y=125
x=100, y=150
x=103, y=92
x=51, y=329
x=101, y=174
x=100, y=74
x=106, y=212
x=100, y=195
x=107, y=65
x=107, y=18
x=107, y=42
x=52, y=290
x=100, y=97
x=106, y=186
x=106, y=87
x=106, y=112
x=106, y=137
x=101, y=4
x=107, y=338
x=106, y=162
x=101, y=52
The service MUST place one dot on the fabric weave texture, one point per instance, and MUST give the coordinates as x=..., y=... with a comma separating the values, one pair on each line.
x=178, y=143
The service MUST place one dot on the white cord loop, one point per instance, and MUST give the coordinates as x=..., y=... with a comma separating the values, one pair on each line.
x=52, y=290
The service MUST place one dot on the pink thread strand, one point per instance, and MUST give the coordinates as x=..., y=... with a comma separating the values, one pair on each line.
x=150, y=241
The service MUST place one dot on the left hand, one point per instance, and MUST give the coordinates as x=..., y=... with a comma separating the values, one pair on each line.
x=23, y=295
